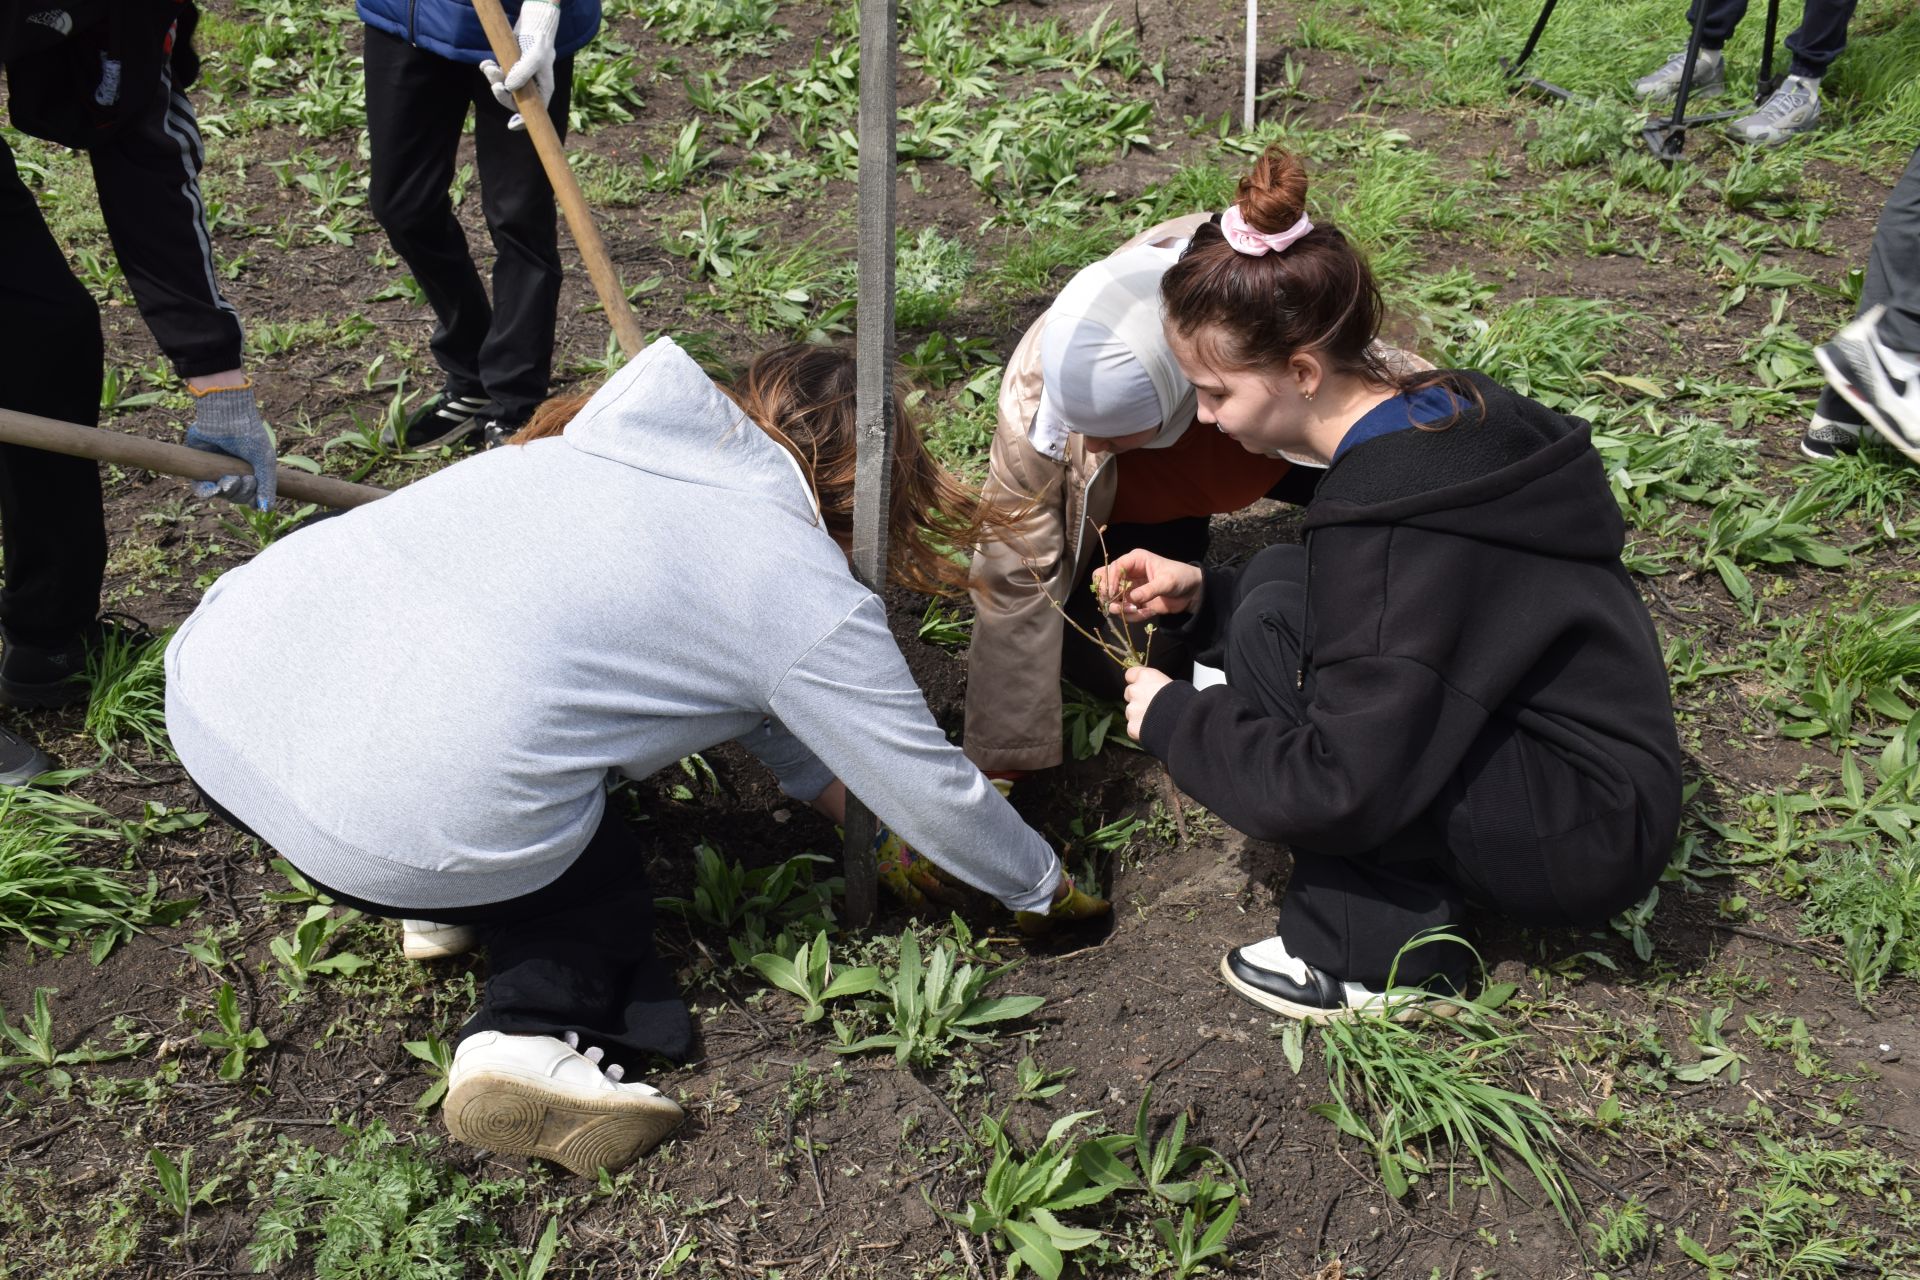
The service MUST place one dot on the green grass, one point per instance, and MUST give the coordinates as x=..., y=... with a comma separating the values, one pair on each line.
x=52, y=886
x=127, y=702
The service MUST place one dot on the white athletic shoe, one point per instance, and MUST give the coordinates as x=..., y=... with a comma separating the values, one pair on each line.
x=536, y=1096
x=1709, y=77
x=1881, y=383
x=1793, y=108
x=430, y=940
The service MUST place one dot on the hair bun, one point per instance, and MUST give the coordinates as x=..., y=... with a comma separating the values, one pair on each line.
x=1274, y=196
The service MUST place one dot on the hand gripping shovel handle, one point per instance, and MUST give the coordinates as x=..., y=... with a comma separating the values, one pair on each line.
x=124, y=450
x=566, y=189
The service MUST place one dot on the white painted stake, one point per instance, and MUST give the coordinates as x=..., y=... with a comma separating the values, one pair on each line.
x=1253, y=52
x=873, y=392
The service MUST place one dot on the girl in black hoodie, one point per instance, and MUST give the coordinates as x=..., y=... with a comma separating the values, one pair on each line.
x=1451, y=691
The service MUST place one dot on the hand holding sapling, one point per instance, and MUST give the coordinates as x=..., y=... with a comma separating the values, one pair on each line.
x=1142, y=684
x=1141, y=585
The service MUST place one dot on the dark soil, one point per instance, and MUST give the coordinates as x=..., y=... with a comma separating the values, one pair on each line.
x=854, y=1185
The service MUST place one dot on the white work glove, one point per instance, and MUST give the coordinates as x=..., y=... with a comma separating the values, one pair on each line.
x=539, y=23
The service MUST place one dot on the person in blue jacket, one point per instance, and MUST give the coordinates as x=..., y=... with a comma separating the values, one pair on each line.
x=427, y=61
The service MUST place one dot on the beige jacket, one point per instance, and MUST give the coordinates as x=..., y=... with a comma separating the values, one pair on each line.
x=1013, y=665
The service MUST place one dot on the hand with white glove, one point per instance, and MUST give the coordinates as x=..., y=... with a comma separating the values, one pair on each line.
x=227, y=420
x=535, y=30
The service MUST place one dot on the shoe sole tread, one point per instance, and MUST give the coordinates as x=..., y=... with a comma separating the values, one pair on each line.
x=511, y=1115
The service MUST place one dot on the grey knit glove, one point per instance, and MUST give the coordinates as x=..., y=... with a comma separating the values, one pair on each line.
x=229, y=422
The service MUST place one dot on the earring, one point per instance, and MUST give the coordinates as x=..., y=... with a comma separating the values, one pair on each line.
x=1306, y=395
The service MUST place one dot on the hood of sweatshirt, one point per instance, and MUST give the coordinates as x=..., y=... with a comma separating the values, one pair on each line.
x=662, y=414
x=1517, y=475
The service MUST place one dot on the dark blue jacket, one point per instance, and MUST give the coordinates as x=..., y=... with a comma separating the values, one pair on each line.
x=452, y=29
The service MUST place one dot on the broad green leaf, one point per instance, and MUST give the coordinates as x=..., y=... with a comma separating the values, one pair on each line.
x=1034, y=1249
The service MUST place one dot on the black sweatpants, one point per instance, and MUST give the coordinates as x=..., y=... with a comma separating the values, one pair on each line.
x=1350, y=916
x=1815, y=43
x=416, y=106
x=50, y=362
x=575, y=955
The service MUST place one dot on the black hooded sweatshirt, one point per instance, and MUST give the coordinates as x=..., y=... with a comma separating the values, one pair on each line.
x=1461, y=583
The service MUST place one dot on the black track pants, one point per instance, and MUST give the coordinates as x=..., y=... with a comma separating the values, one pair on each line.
x=1815, y=43
x=417, y=103
x=50, y=514
x=575, y=955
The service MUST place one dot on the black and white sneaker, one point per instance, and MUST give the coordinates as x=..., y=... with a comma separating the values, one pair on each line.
x=20, y=761
x=1266, y=973
x=446, y=419
x=1827, y=438
x=497, y=431
x=1884, y=385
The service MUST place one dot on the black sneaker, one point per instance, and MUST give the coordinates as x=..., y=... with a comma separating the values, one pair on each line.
x=446, y=419
x=498, y=431
x=1280, y=982
x=20, y=761
x=33, y=676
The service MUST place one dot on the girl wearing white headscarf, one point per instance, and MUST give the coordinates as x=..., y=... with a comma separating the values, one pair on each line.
x=1095, y=432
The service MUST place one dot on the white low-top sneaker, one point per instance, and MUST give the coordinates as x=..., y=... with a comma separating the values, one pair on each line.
x=430, y=940
x=535, y=1096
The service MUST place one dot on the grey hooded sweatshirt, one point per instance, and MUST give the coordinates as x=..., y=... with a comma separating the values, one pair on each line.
x=420, y=701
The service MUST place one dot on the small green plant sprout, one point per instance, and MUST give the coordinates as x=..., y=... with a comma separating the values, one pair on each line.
x=438, y=1057
x=304, y=955
x=946, y=628
x=1619, y=1235
x=47, y=894
x=809, y=974
x=926, y=1008
x=1024, y=1194
x=766, y=909
x=1200, y=1235
x=1032, y=1082
x=39, y=1054
x=511, y=1264
x=299, y=888
x=1087, y=723
x=700, y=774
x=234, y=1035
x=1718, y=1059
x=174, y=1190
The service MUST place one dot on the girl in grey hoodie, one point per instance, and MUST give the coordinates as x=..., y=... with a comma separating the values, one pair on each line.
x=428, y=732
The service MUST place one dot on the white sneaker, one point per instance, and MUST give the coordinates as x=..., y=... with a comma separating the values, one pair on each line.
x=1266, y=973
x=535, y=1096
x=1793, y=108
x=430, y=940
x=1879, y=382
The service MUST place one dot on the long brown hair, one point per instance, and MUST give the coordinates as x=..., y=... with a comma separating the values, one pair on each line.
x=802, y=396
x=1317, y=295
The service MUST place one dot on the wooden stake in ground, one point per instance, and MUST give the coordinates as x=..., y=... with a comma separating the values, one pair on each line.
x=566, y=190
x=873, y=394
x=124, y=450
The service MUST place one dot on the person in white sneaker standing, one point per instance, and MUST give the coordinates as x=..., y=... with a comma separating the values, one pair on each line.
x=1873, y=365
x=1792, y=108
x=677, y=578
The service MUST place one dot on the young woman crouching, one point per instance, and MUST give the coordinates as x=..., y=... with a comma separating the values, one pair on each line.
x=1451, y=691
x=420, y=703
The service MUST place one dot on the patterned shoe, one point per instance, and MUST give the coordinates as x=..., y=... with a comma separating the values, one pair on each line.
x=538, y=1096
x=1709, y=77
x=1826, y=439
x=1793, y=108
x=448, y=418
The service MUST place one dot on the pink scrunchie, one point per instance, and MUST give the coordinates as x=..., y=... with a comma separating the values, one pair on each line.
x=1253, y=243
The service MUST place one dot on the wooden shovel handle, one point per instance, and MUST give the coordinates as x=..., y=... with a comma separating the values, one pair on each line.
x=124, y=450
